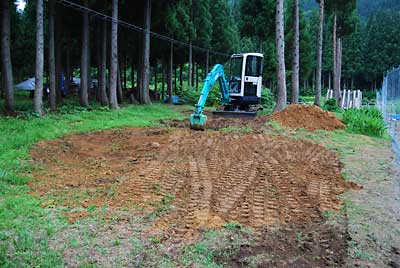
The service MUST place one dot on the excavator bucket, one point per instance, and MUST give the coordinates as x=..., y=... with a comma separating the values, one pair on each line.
x=198, y=121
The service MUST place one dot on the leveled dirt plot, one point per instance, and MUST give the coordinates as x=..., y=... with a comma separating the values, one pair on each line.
x=309, y=117
x=208, y=178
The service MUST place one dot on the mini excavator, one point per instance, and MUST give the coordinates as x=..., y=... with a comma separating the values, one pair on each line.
x=240, y=96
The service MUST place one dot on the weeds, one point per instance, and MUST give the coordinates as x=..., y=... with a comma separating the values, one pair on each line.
x=367, y=121
x=331, y=105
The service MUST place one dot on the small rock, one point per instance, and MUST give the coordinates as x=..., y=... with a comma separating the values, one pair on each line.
x=155, y=145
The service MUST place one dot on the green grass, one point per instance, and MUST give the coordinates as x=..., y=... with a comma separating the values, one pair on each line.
x=25, y=227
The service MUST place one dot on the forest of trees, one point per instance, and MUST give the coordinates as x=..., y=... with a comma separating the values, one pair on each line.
x=308, y=45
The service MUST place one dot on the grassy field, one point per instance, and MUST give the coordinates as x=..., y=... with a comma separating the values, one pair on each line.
x=25, y=227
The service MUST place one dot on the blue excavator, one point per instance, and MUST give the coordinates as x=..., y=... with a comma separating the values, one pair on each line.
x=240, y=95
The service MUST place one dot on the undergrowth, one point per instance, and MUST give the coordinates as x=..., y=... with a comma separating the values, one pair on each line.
x=367, y=121
x=331, y=105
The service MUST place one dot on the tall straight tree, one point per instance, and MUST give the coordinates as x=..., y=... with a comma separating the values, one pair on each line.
x=145, y=81
x=319, y=53
x=85, y=58
x=6, y=66
x=114, y=57
x=336, y=86
x=190, y=63
x=38, y=100
x=103, y=65
x=295, y=52
x=280, y=54
x=52, y=59
x=170, y=67
x=342, y=25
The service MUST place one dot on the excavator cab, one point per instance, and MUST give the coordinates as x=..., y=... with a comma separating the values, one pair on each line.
x=245, y=80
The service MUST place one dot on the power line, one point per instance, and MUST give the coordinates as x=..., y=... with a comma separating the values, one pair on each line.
x=103, y=16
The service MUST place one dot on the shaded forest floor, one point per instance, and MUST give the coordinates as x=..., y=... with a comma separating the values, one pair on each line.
x=252, y=194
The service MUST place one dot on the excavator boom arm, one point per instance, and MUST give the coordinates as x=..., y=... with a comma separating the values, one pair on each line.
x=198, y=119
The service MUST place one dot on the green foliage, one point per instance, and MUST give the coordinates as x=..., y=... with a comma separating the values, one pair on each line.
x=331, y=105
x=191, y=96
x=308, y=32
x=382, y=39
x=367, y=121
x=267, y=98
x=225, y=34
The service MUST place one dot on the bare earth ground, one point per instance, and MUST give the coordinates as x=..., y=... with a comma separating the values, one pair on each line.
x=159, y=197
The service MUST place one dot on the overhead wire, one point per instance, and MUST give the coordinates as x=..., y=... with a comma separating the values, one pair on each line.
x=134, y=27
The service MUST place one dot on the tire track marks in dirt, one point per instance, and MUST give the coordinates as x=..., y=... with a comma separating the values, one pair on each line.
x=214, y=178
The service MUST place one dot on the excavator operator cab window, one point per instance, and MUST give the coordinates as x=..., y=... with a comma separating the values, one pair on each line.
x=235, y=77
x=253, y=66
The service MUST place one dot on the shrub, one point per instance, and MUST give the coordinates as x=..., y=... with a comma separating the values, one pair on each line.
x=267, y=98
x=331, y=105
x=367, y=120
x=191, y=95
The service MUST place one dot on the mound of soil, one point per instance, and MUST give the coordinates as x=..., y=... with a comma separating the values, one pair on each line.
x=308, y=117
x=208, y=178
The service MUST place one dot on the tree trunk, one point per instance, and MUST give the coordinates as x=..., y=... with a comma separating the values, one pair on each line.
x=163, y=81
x=335, y=74
x=296, y=60
x=181, y=76
x=190, y=68
x=280, y=53
x=319, y=53
x=125, y=67
x=114, y=57
x=197, y=77
x=339, y=65
x=193, y=71
x=144, y=96
x=329, y=81
x=155, y=76
x=207, y=61
x=175, y=81
x=98, y=59
x=38, y=101
x=8, y=83
x=103, y=66
x=68, y=64
x=120, y=95
x=170, y=67
x=52, y=60
x=84, y=59
x=59, y=44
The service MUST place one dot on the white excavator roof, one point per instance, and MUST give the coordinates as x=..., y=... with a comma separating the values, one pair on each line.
x=247, y=54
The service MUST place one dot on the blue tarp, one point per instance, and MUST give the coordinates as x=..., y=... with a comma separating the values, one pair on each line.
x=395, y=116
x=28, y=85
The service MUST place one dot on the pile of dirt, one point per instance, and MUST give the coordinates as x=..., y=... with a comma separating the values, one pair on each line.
x=193, y=179
x=308, y=117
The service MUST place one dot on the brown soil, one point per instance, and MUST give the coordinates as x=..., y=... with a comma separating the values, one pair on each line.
x=217, y=122
x=307, y=117
x=209, y=178
x=314, y=245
